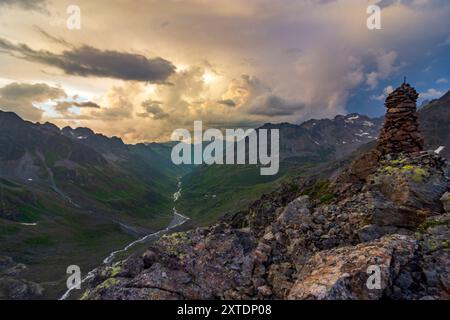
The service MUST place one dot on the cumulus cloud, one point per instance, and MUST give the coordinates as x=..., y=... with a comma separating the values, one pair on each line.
x=88, y=61
x=250, y=96
x=324, y=82
x=431, y=94
x=442, y=81
x=119, y=103
x=38, y=92
x=386, y=91
x=372, y=79
x=22, y=97
x=386, y=65
x=64, y=108
x=153, y=109
x=273, y=105
x=141, y=113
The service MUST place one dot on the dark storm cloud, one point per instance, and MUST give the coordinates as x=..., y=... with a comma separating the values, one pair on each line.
x=52, y=38
x=243, y=124
x=63, y=106
x=153, y=110
x=87, y=104
x=88, y=61
x=273, y=105
x=37, y=92
x=227, y=102
x=38, y=5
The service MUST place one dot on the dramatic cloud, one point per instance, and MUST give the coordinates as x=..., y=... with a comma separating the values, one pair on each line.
x=87, y=104
x=153, y=109
x=64, y=108
x=227, y=102
x=274, y=106
x=38, y=92
x=229, y=63
x=119, y=103
x=385, y=62
x=88, y=61
x=22, y=97
x=384, y=95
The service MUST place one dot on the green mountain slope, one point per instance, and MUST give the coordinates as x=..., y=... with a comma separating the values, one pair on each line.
x=305, y=150
x=71, y=196
x=212, y=191
x=435, y=124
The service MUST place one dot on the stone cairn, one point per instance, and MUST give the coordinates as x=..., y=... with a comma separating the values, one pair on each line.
x=401, y=128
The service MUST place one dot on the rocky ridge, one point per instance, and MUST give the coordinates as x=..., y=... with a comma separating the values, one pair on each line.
x=314, y=239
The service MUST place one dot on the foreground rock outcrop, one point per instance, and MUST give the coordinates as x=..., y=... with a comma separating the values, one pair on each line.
x=314, y=240
x=342, y=273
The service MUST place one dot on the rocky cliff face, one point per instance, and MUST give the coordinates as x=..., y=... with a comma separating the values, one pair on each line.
x=313, y=240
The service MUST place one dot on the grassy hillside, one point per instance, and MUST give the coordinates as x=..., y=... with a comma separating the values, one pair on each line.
x=210, y=192
x=213, y=191
x=73, y=197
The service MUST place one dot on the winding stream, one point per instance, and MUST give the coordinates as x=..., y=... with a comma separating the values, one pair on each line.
x=177, y=220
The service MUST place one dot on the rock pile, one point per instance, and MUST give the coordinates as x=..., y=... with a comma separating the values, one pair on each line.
x=400, y=134
x=401, y=128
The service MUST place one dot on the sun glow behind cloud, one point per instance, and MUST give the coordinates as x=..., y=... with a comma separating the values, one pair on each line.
x=230, y=62
x=209, y=78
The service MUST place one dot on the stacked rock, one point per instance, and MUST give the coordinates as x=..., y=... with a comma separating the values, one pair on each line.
x=401, y=128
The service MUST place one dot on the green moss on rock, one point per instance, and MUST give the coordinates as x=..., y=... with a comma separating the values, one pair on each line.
x=107, y=283
x=85, y=295
x=431, y=224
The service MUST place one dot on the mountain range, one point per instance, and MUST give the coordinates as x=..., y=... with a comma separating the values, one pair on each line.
x=71, y=195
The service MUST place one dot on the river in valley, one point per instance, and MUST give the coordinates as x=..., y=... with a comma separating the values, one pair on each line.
x=177, y=220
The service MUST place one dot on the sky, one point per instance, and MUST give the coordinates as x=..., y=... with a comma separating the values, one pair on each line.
x=141, y=69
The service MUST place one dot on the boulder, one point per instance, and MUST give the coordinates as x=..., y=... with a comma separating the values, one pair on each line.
x=445, y=199
x=405, y=190
x=344, y=273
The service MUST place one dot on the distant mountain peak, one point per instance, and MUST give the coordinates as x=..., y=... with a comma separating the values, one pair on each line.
x=446, y=96
x=9, y=115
